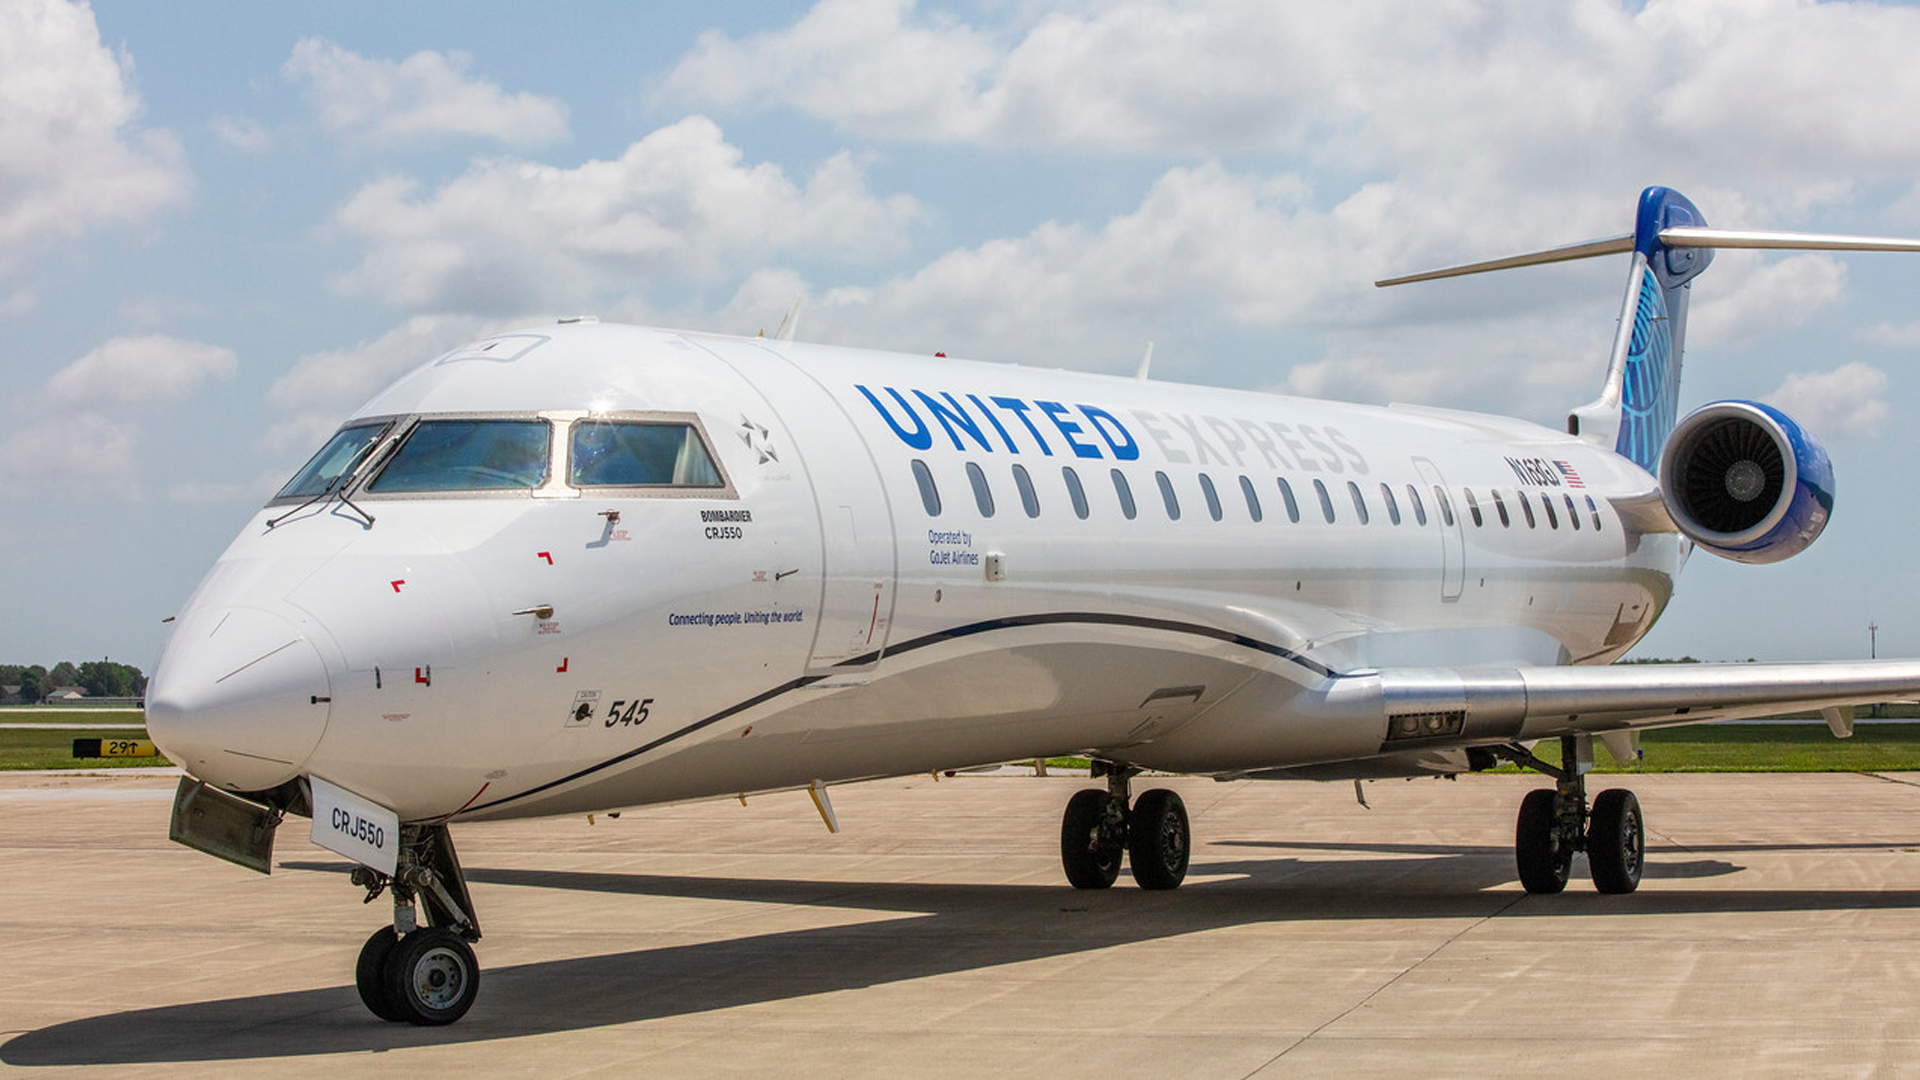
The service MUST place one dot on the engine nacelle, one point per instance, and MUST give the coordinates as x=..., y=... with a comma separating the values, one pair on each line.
x=1744, y=481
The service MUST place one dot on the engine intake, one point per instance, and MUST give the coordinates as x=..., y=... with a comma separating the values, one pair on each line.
x=1745, y=482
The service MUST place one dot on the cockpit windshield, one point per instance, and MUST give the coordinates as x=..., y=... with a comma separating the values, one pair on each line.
x=468, y=455
x=335, y=461
x=618, y=453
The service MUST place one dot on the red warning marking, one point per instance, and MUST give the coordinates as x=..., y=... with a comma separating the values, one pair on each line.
x=397, y=584
x=547, y=555
x=425, y=676
x=476, y=797
x=875, y=621
x=562, y=669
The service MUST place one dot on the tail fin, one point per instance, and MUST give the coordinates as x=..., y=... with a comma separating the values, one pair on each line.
x=1639, y=402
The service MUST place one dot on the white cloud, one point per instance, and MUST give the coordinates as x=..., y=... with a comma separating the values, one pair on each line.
x=1751, y=300
x=835, y=61
x=679, y=204
x=1847, y=401
x=79, y=453
x=80, y=432
x=70, y=155
x=428, y=93
x=139, y=372
x=242, y=133
x=323, y=387
x=1893, y=335
x=1592, y=95
x=16, y=304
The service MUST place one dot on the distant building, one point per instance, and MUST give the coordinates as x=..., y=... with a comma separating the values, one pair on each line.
x=66, y=693
x=9, y=694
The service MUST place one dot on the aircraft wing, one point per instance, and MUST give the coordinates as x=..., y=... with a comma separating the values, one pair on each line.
x=1433, y=716
x=1462, y=706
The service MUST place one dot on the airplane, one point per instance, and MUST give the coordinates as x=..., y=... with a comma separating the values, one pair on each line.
x=582, y=567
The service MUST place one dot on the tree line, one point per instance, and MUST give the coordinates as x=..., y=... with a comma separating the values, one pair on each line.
x=99, y=678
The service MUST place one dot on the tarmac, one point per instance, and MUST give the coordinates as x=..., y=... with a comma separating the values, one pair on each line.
x=1777, y=933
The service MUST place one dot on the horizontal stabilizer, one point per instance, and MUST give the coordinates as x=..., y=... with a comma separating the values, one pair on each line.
x=1678, y=237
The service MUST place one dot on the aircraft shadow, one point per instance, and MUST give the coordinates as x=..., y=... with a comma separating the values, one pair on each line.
x=947, y=928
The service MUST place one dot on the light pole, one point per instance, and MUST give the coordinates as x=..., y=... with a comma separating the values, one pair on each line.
x=1873, y=653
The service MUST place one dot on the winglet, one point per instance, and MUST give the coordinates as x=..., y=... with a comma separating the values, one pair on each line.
x=1146, y=362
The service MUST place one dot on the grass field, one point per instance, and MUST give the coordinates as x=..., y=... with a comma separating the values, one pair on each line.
x=1804, y=747
x=35, y=749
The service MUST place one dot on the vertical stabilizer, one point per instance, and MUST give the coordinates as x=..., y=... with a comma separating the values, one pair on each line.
x=1639, y=402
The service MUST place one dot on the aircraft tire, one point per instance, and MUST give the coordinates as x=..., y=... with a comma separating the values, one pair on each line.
x=432, y=976
x=1543, y=860
x=1158, y=840
x=1091, y=860
x=369, y=974
x=1616, y=841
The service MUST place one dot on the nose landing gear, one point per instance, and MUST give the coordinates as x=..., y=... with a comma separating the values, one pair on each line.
x=424, y=975
x=1098, y=827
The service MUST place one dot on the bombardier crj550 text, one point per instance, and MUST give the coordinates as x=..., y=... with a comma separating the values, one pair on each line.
x=584, y=566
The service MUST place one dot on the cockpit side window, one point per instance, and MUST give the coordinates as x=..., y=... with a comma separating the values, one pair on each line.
x=620, y=453
x=330, y=468
x=468, y=455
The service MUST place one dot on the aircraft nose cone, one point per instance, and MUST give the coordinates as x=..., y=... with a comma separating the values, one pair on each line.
x=239, y=699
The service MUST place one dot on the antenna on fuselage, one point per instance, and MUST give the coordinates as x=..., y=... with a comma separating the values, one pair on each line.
x=791, y=323
x=1146, y=362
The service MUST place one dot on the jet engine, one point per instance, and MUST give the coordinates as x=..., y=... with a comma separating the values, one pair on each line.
x=1745, y=482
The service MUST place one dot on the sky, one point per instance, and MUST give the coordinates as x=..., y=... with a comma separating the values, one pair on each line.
x=223, y=226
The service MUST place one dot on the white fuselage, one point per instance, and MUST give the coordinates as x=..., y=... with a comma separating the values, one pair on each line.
x=563, y=649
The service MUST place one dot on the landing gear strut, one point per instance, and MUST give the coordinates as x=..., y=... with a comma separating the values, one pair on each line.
x=421, y=974
x=1554, y=823
x=1098, y=828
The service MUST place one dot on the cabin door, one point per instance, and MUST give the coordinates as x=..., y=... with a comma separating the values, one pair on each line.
x=1453, y=551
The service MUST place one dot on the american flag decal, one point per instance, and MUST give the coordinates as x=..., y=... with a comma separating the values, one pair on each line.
x=1572, y=475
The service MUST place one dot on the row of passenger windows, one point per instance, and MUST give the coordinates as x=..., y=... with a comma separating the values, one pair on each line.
x=1323, y=497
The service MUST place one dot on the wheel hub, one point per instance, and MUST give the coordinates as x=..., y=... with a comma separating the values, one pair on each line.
x=439, y=978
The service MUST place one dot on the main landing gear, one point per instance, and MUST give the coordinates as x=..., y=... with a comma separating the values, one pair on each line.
x=1098, y=827
x=1556, y=822
x=422, y=974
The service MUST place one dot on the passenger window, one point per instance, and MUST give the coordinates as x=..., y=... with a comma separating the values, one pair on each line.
x=620, y=453
x=1553, y=520
x=1326, y=501
x=1253, y=501
x=1286, y=496
x=468, y=455
x=1359, y=501
x=1573, y=512
x=1526, y=508
x=1500, y=506
x=335, y=462
x=929, y=495
x=1166, y=494
x=1213, y=497
x=1075, y=492
x=1446, y=506
x=1393, y=506
x=1595, y=511
x=1029, y=498
x=1125, y=492
x=982, y=495
x=1473, y=508
x=1419, y=508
